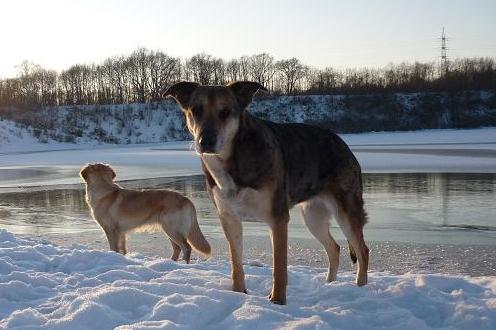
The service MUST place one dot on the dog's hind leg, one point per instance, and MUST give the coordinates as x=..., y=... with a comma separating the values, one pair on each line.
x=176, y=250
x=351, y=218
x=186, y=248
x=181, y=242
x=316, y=213
x=121, y=242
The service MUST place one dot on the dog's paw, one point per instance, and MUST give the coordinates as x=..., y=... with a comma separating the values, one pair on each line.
x=240, y=290
x=277, y=301
x=361, y=280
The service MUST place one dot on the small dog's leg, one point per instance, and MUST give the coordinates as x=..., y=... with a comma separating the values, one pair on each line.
x=279, y=235
x=178, y=239
x=121, y=243
x=186, y=251
x=176, y=250
x=113, y=239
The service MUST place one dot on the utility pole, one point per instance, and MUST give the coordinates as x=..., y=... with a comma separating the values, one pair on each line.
x=444, y=56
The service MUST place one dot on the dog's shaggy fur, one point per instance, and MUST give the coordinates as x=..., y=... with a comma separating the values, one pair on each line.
x=119, y=211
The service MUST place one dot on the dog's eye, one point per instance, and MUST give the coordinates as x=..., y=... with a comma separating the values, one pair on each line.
x=197, y=112
x=224, y=113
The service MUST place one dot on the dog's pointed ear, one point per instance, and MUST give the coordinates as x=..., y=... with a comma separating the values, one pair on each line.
x=181, y=92
x=244, y=91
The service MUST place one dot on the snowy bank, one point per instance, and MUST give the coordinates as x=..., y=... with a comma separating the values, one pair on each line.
x=46, y=286
x=158, y=122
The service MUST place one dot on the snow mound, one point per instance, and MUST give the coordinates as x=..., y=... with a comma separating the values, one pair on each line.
x=47, y=286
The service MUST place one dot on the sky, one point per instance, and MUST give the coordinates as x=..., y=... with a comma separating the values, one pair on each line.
x=321, y=33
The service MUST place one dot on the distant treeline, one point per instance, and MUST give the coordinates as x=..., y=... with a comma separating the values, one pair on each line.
x=140, y=76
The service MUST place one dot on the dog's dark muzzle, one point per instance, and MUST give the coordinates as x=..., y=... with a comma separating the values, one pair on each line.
x=206, y=142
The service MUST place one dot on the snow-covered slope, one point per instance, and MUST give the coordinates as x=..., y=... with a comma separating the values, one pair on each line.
x=123, y=124
x=15, y=137
x=46, y=286
x=163, y=121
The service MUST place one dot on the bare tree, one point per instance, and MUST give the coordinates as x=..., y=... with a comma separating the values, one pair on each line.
x=219, y=72
x=47, y=84
x=324, y=81
x=116, y=71
x=233, y=70
x=244, y=68
x=262, y=69
x=201, y=68
x=139, y=63
x=293, y=71
x=164, y=70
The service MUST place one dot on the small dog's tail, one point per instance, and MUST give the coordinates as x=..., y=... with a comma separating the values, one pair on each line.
x=352, y=253
x=196, y=238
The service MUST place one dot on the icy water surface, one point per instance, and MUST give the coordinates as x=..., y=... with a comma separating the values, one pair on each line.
x=455, y=209
x=417, y=222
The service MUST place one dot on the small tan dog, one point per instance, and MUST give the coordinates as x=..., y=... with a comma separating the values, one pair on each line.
x=119, y=211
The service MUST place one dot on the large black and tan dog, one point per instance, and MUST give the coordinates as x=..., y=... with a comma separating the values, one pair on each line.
x=258, y=169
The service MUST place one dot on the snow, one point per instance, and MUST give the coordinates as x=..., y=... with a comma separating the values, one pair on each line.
x=157, y=122
x=47, y=286
x=14, y=138
x=429, y=137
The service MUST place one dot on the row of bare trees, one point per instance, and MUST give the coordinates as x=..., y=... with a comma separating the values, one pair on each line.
x=462, y=74
x=140, y=77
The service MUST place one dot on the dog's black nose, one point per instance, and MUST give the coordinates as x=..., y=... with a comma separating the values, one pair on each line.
x=207, y=143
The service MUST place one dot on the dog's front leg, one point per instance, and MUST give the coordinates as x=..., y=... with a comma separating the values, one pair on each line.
x=279, y=234
x=233, y=230
x=112, y=238
x=224, y=195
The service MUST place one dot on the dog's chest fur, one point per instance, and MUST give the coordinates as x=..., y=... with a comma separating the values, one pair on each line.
x=233, y=200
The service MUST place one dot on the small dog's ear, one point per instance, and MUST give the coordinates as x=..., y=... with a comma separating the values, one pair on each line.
x=111, y=171
x=84, y=173
x=181, y=91
x=244, y=91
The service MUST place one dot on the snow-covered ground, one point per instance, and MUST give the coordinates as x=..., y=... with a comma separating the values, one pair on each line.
x=47, y=286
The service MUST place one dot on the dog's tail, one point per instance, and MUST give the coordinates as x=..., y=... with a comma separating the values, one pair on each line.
x=196, y=238
x=352, y=253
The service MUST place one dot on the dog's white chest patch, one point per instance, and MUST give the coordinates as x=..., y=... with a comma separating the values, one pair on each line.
x=244, y=204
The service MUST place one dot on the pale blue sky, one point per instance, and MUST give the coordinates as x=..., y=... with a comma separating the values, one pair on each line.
x=321, y=33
